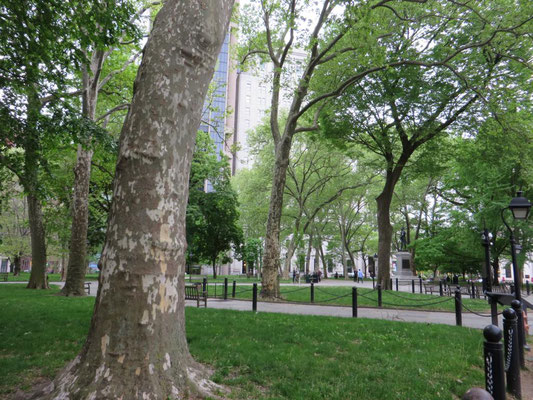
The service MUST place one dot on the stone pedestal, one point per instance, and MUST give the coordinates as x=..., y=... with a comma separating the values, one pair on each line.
x=403, y=265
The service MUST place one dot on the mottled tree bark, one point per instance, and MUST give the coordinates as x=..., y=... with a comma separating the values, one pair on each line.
x=136, y=348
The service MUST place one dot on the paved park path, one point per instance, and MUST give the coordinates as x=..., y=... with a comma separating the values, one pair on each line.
x=434, y=317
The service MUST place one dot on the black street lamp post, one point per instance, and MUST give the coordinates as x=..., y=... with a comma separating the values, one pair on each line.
x=486, y=238
x=520, y=207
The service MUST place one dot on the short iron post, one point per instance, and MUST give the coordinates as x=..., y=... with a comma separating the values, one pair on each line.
x=396, y=284
x=458, y=308
x=379, y=296
x=420, y=284
x=494, y=368
x=493, y=310
x=517, y=307
x=390, y=283
x=354, y=302
x=373, y=283
x=204, y=284
x=512, y=360
x=413, y=285
x=312, y=292
x=254, y=298
x=441, y=291
x=225, y=288
x=234, y=289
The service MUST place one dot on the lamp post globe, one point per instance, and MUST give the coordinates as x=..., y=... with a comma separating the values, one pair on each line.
x=520, y=206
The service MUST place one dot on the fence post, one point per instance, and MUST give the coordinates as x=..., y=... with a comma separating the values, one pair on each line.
x=494, y=368
x=225, y=288
x=312, y=292
x=512, y=360
x=204, y=284
x=254, y=298
x=373, y=283
x=413, y=285
x=458, y=308
x=517, y=307
x=472, y=290
x=354, y=302
x=527, y=288
x=420, y=284
x=379, y=295
x=441, y=291
x=396, y=284
x=234, y=289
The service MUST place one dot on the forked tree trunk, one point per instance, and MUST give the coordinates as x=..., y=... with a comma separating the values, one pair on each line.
x=136, y=348
x=74, y=284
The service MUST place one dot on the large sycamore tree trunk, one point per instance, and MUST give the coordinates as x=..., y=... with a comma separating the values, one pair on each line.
x=136, y=347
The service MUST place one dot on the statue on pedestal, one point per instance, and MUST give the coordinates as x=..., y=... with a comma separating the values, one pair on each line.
x=403, y=240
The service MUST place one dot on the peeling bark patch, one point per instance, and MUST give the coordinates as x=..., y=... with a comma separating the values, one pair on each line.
x=151, y=369
x=121, y=359
x=167, y=364
x=146, y=317
x=138, y=371
x=104, y=343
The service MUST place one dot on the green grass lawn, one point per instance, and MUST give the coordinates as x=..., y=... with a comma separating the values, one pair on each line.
x=342, y=295
x=260, y=356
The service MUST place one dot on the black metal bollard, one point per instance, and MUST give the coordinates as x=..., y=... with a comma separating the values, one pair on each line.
x=472, y=290
x=441, y=291
x=396, y=284
x=254, y=298
x=225, y=288
x=494, y=368
x=354, y=302
x=413, y=285
x=476, y=393
x=458, y=308
x=420, y=284
x=517, y=307
x=312, y=292
x=390, y=283
x=512, y=359
x=373, y=283
x=204, y=284
x=234, y=289
x=379, y=296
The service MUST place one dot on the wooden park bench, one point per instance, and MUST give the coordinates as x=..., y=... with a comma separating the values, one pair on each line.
x=195, y=292
x=88, y=287
x=429, y=288
x=4, y=276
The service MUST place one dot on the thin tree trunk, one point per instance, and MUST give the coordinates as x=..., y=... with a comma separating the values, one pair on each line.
x=290, y=253
x=308, y=255
x=38, y=244
x=136, y=348
x=316, y=266
x=323, y=258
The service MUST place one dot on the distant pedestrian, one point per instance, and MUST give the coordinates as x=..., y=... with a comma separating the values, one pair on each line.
x=319, y=275
x=293, y=275
x=360, y=276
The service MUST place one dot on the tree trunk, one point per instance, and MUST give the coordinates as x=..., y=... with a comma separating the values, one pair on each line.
x=384, y=236
x=136, y=348
x=316, y=264
x=16, y=262
x=74, y=285
x=77, y=261
x=271, y=263
x=323, y=258
x=308, y=255
x=290, y=253
x=38, y=244
x=214, y=264
x=496, y=270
